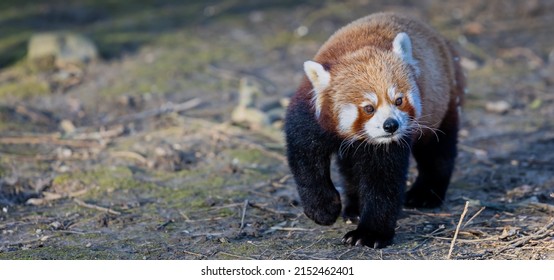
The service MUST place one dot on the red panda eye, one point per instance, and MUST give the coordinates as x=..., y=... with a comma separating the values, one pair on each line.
x=369, y=109
x=398, y=101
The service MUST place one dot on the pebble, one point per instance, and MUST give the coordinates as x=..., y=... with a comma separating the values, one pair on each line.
x=469, y=64
x=65, y=47
x=56, y=225
x=499, y=107
x=67, y=126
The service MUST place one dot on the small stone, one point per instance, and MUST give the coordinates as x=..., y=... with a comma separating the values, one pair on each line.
x=63, y=168
x=88, y=245
x=56, y=225
x=38, y=231
x=64, y=47
x=5, y=209
x=499, y=107
x=67, y=126
x=301, y=31
x=159, y=151
x=469, y=64
x=473, y=28
x=64, y=153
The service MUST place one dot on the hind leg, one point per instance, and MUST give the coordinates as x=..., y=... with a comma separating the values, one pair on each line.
x=435, y=157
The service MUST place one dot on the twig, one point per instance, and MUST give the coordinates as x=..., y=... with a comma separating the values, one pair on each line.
x=282, y=213
x=101, y=134
x=457, y=230
x=345, y=252
x=475, y=215
x=414, y=211
x=543, y=232
x=194, y=254
x=165, y=224
x=243, y=215
x=48, y=139
x=164, y=109
x=205, y=220
x=290, y=229
x=35, y=116
x=96, y=207
x=128, y=154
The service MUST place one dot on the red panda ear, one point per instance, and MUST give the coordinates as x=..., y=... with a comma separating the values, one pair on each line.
x=402, y=47
x=320, y=79
x=317, y=74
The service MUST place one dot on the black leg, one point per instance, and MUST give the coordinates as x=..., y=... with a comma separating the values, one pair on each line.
x=309, y=150
x=435, y=156
x=381, y=175
x=351, y=197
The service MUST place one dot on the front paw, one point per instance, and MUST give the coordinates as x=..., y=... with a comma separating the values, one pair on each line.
x=323, y=211
x=360, y=237
x=420, y=198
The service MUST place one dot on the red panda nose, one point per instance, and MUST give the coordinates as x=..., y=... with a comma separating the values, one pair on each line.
x=390, y=125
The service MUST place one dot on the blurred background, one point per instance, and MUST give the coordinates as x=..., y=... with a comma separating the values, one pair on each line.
x=152, y=129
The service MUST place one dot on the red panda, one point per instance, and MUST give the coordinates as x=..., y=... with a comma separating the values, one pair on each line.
x=380, y=88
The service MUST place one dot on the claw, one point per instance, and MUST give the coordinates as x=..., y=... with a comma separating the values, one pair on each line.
x=349, y=240
x=376, y=245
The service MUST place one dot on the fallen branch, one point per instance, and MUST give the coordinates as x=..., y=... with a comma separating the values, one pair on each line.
x=243, y=215
x=194, y=254
x=541, y=233
x=96, y=207
x=131, y=155
x=164, y=109
x=273, y=211
x=48, y=139
x=457, y=230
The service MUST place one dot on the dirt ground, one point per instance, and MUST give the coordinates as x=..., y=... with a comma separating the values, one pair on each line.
x=135, y=156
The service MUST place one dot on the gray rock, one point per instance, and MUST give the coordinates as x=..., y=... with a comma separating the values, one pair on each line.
x=64, y=47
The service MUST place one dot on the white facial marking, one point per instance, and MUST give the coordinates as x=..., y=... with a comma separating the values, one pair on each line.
x=347, y=116
x=391, y=92
x=320, y=79
x=372, y=97
x=415, y=99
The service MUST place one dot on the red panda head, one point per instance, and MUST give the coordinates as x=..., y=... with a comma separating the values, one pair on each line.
x=369, y=94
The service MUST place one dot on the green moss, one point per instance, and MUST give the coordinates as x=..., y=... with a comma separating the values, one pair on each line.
x=246, y=156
